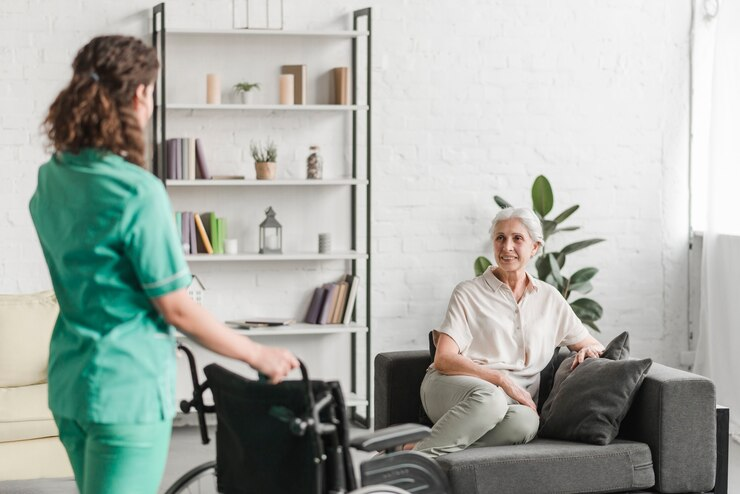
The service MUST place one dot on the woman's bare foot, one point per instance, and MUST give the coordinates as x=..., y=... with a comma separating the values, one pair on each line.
x=408, y=446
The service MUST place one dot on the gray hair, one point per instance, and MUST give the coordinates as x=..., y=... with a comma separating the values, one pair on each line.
x=527, y=217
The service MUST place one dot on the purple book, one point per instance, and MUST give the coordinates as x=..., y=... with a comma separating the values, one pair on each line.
x=193, y=234
x=327, y=306
x=312, y=316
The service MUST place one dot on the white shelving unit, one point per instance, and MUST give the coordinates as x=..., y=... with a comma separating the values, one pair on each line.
x=356, y=256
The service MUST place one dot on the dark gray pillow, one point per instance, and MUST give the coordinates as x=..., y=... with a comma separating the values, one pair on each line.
x=589, y=403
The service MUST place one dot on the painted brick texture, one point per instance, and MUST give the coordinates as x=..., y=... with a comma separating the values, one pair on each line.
x=471, y=99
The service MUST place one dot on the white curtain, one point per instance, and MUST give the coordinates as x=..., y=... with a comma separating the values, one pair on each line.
x=716, y=166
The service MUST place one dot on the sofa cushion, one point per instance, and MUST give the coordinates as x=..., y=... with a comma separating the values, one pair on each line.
x=25, y=414
x=549, y=466
x=588, y=403
x=26, y=323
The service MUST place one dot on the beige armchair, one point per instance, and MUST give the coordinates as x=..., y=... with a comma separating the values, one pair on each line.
x=29, y=440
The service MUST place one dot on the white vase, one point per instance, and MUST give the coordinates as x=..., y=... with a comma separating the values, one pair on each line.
x=247, y=97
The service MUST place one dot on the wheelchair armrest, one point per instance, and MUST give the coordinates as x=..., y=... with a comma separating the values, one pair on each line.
x=390, y=437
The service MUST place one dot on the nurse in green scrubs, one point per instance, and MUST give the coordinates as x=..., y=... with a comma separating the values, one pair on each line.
x=107, y=232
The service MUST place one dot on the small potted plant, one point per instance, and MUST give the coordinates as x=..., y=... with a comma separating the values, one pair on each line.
x=264, y=159
x=245, y=90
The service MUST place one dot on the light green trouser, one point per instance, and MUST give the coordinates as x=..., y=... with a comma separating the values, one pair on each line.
x=116, y=458
x=468, y=411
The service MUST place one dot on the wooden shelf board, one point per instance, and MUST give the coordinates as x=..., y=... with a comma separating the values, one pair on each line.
x=296, y=256
x=239, y=107
x=265, y=183
x=266, y=32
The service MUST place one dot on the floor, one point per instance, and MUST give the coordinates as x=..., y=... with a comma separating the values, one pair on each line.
x=187, y=451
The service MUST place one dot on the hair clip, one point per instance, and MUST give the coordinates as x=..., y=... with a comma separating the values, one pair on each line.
x=94, y=76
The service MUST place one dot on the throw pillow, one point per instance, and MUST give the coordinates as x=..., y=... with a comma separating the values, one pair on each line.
x=589, y=403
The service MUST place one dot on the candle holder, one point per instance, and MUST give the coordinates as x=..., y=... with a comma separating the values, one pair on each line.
x=271, y=234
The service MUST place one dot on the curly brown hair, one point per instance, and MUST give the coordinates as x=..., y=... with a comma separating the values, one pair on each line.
x=95, y=110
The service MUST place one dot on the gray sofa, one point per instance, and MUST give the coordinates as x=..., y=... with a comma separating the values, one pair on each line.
x=668, y=442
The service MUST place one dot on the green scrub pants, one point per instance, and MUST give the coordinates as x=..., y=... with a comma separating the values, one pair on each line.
x=116, y=458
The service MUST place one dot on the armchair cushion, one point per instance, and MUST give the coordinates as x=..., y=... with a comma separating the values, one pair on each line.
x=24, y=413
x=26, y=324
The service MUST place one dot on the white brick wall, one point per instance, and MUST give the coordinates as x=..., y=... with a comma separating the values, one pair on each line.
x=471, y=99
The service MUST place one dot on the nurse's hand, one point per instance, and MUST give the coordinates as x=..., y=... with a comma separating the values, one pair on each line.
x=274, y=362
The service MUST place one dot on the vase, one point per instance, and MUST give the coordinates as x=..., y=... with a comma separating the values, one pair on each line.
x=247, y=97
x=265, y=171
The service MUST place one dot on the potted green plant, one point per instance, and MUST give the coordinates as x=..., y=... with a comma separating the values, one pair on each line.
x=244, y=89
x=264, y=159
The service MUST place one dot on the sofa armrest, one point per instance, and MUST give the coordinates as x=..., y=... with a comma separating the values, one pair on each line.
x=674, y=413
x=398, y=377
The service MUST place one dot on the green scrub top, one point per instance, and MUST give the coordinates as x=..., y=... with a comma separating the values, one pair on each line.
x=107, y=232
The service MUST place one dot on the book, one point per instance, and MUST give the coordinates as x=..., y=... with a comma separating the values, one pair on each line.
x=299, y=82
x=191, y=158
x=328, y=304
x=193, y=234
x=200, y=158
x=185, y=232
x=262, y=322
x=171, y=159
x=312, y=314
x=338, y=313
x=354, y=282
x=202, y=235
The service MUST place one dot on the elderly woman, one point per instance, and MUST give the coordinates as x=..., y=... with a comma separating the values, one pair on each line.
x=498, y=334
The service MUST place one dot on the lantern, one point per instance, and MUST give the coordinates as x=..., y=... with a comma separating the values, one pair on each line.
x=271, y=234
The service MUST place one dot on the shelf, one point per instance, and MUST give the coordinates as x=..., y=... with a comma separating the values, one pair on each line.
x=299, y=329
x=266, y=183
x=296, y=256
x=276, y=107
x=266, y=32
x=304, y=329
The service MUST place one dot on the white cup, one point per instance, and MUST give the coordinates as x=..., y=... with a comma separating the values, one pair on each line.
x=231, y=246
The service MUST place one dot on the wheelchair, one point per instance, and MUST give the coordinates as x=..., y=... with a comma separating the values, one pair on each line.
x=292, y=438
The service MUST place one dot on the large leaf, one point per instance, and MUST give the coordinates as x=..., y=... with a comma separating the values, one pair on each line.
x=548, y=228
x=583, y=275
x=542, y=199
x=502, y=203
x=569, y=249
x=587, y=309
x=592, y=325
x=581, y=287
x=565, y=214
x=480, y=265
x=555, y=269
x=567, y=229
x=543, y=267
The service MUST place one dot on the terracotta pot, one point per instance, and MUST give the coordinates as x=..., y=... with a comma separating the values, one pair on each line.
x=265, y=171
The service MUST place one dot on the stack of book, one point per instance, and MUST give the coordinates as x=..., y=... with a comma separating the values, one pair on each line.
x=333, y=303
x=186, y=159
x=202, y=233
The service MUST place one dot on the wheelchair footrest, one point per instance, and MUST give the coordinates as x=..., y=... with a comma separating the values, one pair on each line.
x=390, y=437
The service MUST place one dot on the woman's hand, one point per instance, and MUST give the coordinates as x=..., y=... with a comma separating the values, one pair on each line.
x=275, y=363
x=586, y=352
x=518, y=393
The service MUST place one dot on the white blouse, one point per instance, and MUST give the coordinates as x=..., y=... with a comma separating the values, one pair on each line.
x=492, y=329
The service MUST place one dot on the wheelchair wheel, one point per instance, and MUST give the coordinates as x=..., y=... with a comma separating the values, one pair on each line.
x=379, y=489
x=199, y=480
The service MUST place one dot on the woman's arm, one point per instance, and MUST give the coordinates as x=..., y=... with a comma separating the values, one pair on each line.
x=182, y=312
x=589, y=347
x=448, y=361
